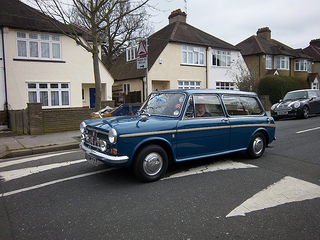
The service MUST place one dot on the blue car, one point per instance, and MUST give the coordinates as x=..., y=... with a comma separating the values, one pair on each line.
x=179, y=125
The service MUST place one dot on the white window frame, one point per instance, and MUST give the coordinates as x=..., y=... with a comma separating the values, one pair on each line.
x=282, y=62
x=302, y=65
x=221, y=58
x=126, y=88
x=38, y=46
x=49, y=91
x=131, y=53
x=189, y=85
x=225, y=85
x=193, y=55
x=268, y=62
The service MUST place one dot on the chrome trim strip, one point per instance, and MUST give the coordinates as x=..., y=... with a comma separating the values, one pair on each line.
x=194, y=129
x=104, y=157
x=146, y=133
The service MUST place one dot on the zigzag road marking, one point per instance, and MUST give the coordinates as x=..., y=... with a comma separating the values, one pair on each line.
x=19, y=173
x=29, y=159
x=287, y=190
x=225, y=165
x=54, y=182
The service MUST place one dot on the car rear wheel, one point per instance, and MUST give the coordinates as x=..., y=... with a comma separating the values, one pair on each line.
x=305, y=112
x=151, y=163
x=257, y=146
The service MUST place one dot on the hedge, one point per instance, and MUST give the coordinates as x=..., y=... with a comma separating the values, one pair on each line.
x=276, y=86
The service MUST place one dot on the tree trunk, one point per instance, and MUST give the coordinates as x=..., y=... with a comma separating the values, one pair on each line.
x=97, y=80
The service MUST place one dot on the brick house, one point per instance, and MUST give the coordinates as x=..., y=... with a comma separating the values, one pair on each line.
x=265, y=55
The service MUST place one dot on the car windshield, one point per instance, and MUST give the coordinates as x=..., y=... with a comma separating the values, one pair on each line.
x=163, y=104
x=296, y=95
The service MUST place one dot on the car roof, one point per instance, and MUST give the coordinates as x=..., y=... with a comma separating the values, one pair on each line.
x=206, y=91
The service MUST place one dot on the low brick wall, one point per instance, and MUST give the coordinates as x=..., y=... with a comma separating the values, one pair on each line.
x=60, y=120
x=36, y=121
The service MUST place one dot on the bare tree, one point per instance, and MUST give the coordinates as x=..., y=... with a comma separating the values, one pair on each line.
x=244, y=79
x=97, y=16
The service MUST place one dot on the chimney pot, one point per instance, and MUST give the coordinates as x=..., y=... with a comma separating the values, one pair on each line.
x=264, y=33
x=177, y=16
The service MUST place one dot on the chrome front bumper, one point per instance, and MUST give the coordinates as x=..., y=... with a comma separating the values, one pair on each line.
x=104, y=157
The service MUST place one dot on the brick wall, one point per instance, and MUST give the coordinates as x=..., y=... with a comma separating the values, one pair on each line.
x=35, y=121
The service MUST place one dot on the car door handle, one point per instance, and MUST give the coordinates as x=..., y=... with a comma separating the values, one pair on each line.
x=225, y=120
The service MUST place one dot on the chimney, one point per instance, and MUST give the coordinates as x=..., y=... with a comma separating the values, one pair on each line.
x=177, y=16
x=264, y=33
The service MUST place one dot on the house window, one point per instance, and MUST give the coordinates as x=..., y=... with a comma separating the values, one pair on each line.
x=192, y=55
x=281, y=62
x=49, y=94
x=188, y=85
x=38, y=46
x=221, y=58
x=126, y=88
x=225, y=85
x=268, y=62
x=302, y=65
x=131, y=53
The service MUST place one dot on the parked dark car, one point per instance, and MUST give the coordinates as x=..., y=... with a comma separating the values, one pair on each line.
x=299, y=104
x=179, y=125
x=122, y=110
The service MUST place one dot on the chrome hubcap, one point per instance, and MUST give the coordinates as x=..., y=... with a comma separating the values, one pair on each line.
x=258, y=145
x=152, y=164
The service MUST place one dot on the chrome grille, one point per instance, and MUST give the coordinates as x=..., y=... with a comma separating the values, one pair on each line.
x=93, y=138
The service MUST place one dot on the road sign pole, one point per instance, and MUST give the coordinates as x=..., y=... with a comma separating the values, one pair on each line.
x=147, y=69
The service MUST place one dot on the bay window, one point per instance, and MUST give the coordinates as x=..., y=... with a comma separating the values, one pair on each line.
x=302, y=65
x=50, y=95
x=281, y=62
x=268, y=62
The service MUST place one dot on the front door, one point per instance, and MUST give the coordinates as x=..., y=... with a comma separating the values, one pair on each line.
x=92, y=92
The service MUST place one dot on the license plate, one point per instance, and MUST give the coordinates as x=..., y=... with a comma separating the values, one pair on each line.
x=282, y=113
x=91, y=159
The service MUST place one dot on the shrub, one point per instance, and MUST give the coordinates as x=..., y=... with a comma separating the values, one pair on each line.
x=276, y=86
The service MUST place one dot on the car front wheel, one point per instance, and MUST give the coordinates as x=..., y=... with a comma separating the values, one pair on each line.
x=257, y=146
x=151, y=163
x=305, y=112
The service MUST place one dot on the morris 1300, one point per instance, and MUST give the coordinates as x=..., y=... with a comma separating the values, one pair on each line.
x=179, y=125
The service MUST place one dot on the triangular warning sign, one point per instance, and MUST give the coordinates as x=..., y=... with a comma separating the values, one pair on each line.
x=142, y=51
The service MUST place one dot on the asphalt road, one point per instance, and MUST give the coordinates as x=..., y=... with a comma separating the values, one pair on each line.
x=61, y=196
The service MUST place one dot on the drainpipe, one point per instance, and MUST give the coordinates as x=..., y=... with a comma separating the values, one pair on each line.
x=5, y=80
x=208, y=51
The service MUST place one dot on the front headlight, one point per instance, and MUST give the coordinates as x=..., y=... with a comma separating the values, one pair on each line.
x=296, y=104
x=273, y=107
x=112, y=136
x=83, y=126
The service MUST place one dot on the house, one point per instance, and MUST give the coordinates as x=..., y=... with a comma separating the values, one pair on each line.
x=313, y=50
x=265, y=56
x=40, y=64
x=179, y=56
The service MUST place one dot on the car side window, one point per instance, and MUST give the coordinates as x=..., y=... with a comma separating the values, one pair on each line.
x=312, y=94
x=242, y=105
x=204, y=105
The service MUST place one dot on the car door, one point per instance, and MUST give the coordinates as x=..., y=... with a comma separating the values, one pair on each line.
x=314, y=101
x=246, y=115
x=201, y=136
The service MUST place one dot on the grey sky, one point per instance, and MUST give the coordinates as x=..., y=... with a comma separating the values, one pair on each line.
x=292, y=22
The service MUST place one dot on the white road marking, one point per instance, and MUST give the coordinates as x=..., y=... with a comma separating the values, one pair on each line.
x=308, y=130
x=287, y=190
x=225, y=165
x=14, y=174
x=54, y=182
x=29, y=159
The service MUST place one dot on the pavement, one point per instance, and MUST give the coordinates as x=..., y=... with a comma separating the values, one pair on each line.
x=17, y=145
